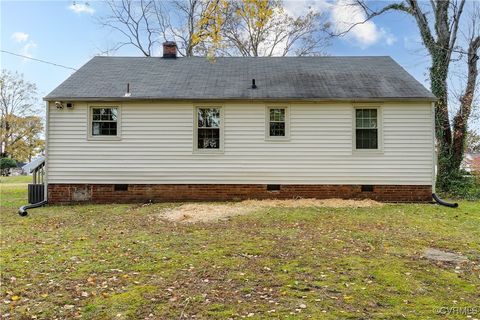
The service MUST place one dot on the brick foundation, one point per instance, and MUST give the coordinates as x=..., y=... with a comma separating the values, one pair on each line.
x=106, y=193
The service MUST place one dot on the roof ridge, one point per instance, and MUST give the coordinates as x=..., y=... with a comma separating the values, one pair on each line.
x=241, y=57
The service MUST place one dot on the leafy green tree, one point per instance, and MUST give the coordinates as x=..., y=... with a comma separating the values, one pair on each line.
x=6, y=164
x=18, y=102
x=24, y=137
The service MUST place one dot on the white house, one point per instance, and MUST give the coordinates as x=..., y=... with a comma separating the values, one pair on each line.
x=126, y=129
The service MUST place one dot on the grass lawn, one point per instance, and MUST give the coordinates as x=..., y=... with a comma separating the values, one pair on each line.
x=126, y=262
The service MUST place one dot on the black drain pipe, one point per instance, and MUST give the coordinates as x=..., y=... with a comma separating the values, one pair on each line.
x=444, y=203
x=23, y=209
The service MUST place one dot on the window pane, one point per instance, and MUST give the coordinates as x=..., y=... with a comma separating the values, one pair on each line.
x=114, y=113
x=104, y=129
x=208, y=117
x=208, y=138
x=96, y=129
x=277, y=122
x=277, y=129
x=366, y=118
x=277, y=114
x=366, y=139
x=105, y=114
x=104, y=121
x=366, y=129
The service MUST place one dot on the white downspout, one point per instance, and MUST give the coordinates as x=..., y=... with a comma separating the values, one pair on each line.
x=434, y=153
x=47, y=126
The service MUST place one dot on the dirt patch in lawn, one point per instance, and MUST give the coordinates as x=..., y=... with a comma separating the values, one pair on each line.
x=208, y=212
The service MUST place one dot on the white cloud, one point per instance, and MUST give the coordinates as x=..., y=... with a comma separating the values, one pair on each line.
x=81, y=8
x=345, y=14
x=27, y=49
x=390, y=39
x=297, y=8
x=20, y=36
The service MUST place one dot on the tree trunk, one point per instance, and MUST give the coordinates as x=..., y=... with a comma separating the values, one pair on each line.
x=5, y=136
x=461, y=118
x=443, y=132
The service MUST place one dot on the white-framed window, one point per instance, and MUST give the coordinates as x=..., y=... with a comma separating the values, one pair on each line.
x=367, y=128
x=104, y=122
x=208, y=135
x=277, y=125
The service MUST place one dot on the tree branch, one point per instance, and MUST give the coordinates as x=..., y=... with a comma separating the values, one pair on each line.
x=370, y=14
x=456, y=23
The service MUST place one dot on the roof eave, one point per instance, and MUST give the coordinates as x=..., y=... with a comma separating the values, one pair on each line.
x=123, y=99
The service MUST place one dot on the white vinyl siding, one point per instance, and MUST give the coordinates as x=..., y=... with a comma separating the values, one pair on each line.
x=157, y=139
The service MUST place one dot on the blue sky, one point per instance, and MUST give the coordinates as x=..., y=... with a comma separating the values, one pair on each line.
x=68, y=34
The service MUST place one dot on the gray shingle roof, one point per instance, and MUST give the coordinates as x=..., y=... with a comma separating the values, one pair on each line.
x=303, y=78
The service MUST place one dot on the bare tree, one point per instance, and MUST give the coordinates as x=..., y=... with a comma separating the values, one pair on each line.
x=145, y=24
x=133, y=19
x=264, y=28
x=438, y=22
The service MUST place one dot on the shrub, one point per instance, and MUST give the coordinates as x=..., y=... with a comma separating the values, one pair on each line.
x=464, y=185
x=6, y=164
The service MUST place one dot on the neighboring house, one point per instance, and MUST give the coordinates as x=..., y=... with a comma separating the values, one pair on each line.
x=17, y=171
x=125, y=129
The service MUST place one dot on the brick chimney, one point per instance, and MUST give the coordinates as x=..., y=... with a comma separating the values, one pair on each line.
x=169, y=49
